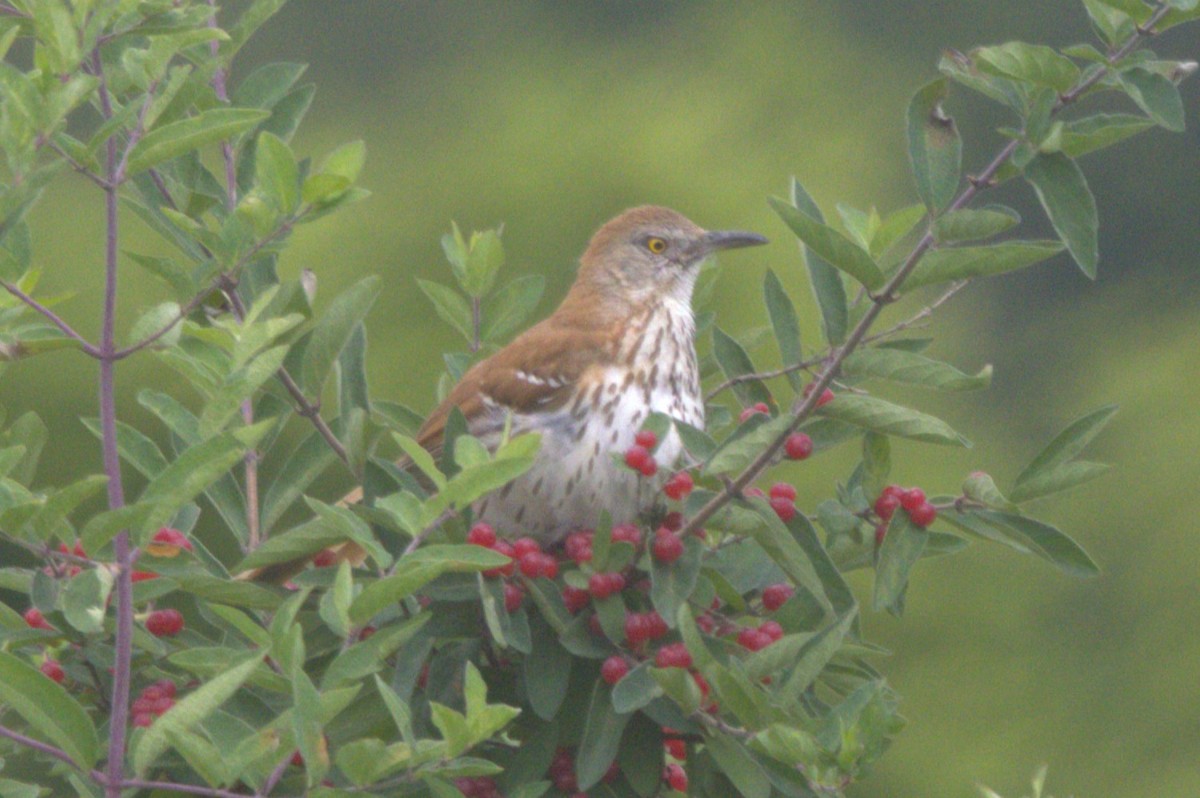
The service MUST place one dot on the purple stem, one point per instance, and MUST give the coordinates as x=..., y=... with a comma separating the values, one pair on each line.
x=53, y=318
x=37, y=745
x=112, y=464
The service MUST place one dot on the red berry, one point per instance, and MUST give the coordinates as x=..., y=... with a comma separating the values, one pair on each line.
x=53, y=670
x=579, y=547
x=523, y=546
x=784, y=508
x=562, y=771
x=614, y=669
x=782, y=490
x=771, y=629
x=912, y=498
x=706, y=623
x=575, y=599
x=637, y=456
x=324, y=558
x=886, y=504
x=603, y=585
x=673, y=521
x=675, y=777
x=166, y=686
x=656, y=627
x=679, y=486
x=826, y=395
x=164, y=623
x=505, y=548
x=513, y=596
x=142, y=576
x=531, y=565
x=549, y=566
x=628, y=533
x=167, y=542
x=673, y=655
x=142, y=720
x=923, y=514
x=142, y=705
x=753, y=639
x=482, y=535
x=646, y=438
x=775, y=596
x=667, y=548
x=798, y=446
x=636, y=629
x=649, y=468
x=759, y=407
x=676, y=748
x=33, y=616
x=161, y=705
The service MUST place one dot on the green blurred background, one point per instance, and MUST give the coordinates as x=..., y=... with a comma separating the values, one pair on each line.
x=550, y=117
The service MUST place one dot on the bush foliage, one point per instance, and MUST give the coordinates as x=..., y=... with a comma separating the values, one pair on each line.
x=727, y=660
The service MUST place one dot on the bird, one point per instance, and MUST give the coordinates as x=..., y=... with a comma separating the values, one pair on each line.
x=619, y=348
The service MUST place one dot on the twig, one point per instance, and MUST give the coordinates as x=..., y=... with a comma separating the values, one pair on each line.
x=53, y=318
x=312, y=412
x=78, y=167
x=762, y=375
x=417, y=540
x=135, y=135
x=921, y=315
x=38, y=745
x=274, y=777
x=190, y=789
x=887, y=294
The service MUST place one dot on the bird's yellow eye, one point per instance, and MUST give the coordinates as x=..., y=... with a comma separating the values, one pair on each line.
x=656, y=245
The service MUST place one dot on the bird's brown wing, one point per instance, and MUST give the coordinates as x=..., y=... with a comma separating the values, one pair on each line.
x=538, y=372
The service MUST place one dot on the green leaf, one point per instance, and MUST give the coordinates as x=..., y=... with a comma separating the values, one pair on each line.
x=1156, y=95
x=177, y=138
x=737, y=453
x=49, y=710
x=971, y=224
x=777, y=541
x=194, y=470
x=546, y=671
x=876, y=414
x=1064, y=194
x=913, y=369
x=85, y=598
x=451, y=307
x=636, y=690
x=816, y=654
x=736, y=762
x=1066, y=445
x=960, y=263
x=1081, y=136
x=414, y=572
x=275, y=172
x=190, y=711
x=734, y=362
x=783, y=320
x=895, y=227
x=601, y=738
x=876, y=463
x=1046, y=541
x=1028, y=63
x=671, y=584
x=826, y=281
x=902, y=547
x=831, y=245
x=507, y=309
x=934, y=147
x=350, y=527
x=982, y=488
x=303, y=465
x=1057, y=479
x=334, y=330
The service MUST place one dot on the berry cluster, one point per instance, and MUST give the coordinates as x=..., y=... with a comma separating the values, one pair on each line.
x=164, y=623
x=641, y=627
x=757, y=638
x=782, y=499
x=640, y=456
x=775, y=596
x=153, y=701
x=912, y=501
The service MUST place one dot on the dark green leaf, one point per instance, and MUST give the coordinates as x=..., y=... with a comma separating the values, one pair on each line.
x=913, y=369
x=877, y=463
x=737, y=453
x=737, y=763
x=1069, y=203
x=601, y=738
x=960, y=263
x=48, y=709
x=831, y=245
x=1046, y=541
x=1029, y=63
x=1082, y=136
x=546, y=671
x=450, y=305
x=934, y=147
x=177, y=138
x=783, y=320
x=735, y=362
x=302, y=466
x=333, y=331
x=777, y=541
x=1058, y=478
x=876, y=414
x=673, y=583
x=267, y=85
x=1066, y=445
x=826, y=281
x=902, y=547
x=636, y=690
x=970, y=224
x=1156, y=95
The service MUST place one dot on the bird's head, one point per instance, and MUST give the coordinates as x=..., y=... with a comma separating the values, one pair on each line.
x=653, y=251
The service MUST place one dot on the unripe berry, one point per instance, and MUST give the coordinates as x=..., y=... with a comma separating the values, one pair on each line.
x=614, y=669
x=513, y=596
x=53, y=670
x=775, y=596
x=912, y=498
x=482, y=535
x=673, y=655
x=667, y=547
x=646, y=438
x=923, y=514
x=798, y=446
x=33, y=616
x=679, y=486
x=164, y=623
x=675, y=777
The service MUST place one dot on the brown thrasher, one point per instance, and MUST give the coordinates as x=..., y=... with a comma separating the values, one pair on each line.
x=619, y=347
